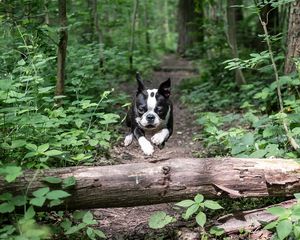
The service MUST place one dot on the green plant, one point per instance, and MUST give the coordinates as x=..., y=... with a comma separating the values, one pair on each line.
x=287, y=223
x=197, y=207
x=83, y=223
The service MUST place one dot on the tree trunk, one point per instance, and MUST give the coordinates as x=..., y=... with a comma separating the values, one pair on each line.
x=293, y=39
x=167, y=40
x=231, y=22
x=46, y=9
x=188, y=31
x=167, y=181
x=62, y=47
x=133, y=21
x=147, y=35
x=98, y=33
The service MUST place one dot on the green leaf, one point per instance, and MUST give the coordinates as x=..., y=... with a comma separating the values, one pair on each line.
x=18, y=143
x=41, y=192
x=284, y=228
x=43, y=148
x=19, y=200
x=248, y=139
x=39, y=201
x=52, y=153
x=79, y=214
x=277, y=211
x=68, y=182
x=93, y=142
x=57, y=194
x=91, y=234
x=296, y=131
x=159, y=220
x=297, y=231
x=75, y=229
x=191, y=210
x=78, y=122
x=185, y=203
x=99, y=233
x=5, y=196
x=21, y=62
x=7, y=207
x=201, y=219
x=258, y=153
x=53, y=180
x=216, y=231
x=88, y=218
x=31, y=147
x=12, y=172
x=29, y=213
x=270, y=225
x=212, y=205
x=55, y=202
x=199, y=198
x=297, y=195
x=30, y=154
x=45, y=89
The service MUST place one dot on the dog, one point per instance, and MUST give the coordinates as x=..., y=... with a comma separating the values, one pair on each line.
x=151, y=112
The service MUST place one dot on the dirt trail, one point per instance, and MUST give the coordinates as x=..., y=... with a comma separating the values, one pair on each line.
x=131, y=223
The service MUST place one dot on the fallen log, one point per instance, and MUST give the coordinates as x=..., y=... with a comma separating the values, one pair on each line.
x=250, y=220
x=167, y=181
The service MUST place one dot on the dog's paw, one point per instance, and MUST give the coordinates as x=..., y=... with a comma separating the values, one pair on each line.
x=160, y=137
x=128, y=140
x=146, y=146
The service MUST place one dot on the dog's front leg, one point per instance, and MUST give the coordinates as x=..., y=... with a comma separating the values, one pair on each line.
x=160, y=137
x=146, y=146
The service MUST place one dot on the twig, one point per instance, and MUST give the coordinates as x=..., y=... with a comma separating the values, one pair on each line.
x=292, y=141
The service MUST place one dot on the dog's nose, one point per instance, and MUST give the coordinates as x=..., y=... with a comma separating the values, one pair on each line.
x=150, y=118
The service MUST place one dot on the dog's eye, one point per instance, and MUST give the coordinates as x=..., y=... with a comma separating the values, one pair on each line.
x=159, y=110
x=141, y=109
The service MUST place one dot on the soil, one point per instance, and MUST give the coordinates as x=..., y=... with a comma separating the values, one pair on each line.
x=131, y=223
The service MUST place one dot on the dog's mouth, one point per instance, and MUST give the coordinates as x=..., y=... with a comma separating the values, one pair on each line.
x=150, y=126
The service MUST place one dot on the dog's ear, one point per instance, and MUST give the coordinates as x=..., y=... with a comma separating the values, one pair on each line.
x=165, y=88
x=141, y=86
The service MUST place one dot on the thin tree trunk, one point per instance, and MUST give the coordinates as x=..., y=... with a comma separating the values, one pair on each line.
x=62, y=47
x=98, y=33
x=166, y=25
x=293, y=40
x=133, y=22
x=231, y=22
x=147, y=35
x=167, y=181
x=46, y=9
x=188, y=32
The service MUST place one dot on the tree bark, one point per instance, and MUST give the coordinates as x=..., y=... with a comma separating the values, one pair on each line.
x=46, y=9
x=293, y=39
x=166, y=25
x=98, y=33
x=167, y=181
x=251, y=219
x=188, y=31
x=133, y=21
x=62, y=47
x=147, y=35
x=231, y=22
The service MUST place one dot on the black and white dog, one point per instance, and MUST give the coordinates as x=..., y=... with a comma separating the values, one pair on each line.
x=151, y=112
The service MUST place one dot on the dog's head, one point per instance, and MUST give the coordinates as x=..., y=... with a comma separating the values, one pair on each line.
x=152, y=106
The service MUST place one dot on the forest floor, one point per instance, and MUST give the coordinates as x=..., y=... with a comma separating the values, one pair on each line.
x=132, y=223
